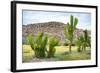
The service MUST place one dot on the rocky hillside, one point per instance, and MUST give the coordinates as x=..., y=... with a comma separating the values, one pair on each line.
x=51, y=28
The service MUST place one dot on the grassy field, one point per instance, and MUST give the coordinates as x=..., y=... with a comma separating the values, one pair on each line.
x=62, y=53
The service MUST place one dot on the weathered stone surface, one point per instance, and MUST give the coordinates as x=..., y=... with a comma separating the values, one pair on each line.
x=51, y=28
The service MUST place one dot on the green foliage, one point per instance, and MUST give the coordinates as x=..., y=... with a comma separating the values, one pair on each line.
x=69, y=30
x=52, y=43
x=83, y=41
x=79, y=43
x=65, y=43
x=24, y=41
x=39, y=44
x=30, y=40
x=86, y=40
x=89, y=41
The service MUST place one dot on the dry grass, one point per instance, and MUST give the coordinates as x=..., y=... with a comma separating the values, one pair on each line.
x=62, y=53
x=61, y=49
x=28, y=53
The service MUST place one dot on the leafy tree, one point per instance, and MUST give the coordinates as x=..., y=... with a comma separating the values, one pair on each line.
x=69, y=30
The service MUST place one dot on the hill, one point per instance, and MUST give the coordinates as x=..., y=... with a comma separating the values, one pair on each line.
x=51, y=28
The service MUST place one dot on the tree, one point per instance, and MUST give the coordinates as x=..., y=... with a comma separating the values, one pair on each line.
x=69, y=30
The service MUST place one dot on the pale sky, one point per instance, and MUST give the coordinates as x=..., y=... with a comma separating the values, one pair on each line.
x=30, y=17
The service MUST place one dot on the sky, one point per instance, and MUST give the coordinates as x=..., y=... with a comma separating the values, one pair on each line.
x=30, y=17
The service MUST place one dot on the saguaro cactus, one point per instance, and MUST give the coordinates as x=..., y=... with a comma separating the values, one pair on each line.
x=52, y=43
x=83, y=41
x=69, y=30
x=38, y=44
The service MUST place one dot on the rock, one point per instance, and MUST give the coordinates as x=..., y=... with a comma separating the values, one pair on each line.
x=51, y=28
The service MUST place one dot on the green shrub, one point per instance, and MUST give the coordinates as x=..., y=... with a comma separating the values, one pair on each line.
x=39, y=44
x=78, y=43
x=30, y=40
x=83, y=41
x=24, y=41
x=65, y=43
x=52, y=43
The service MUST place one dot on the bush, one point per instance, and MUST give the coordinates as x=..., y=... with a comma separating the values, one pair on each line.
x=73, y=44
x=52, y=43
x=65, y=44
x=24, y=41
x=39, y=44
x=30, y=40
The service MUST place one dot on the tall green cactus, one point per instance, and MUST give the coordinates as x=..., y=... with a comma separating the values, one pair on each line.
x=86, y=40
x=30, y=40
x=83, y=41
x=39, y=49
x=80, y=43
x=52, y=43
x=39, y=44
x=69, y=30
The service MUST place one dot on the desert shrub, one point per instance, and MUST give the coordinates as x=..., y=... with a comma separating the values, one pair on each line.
x=52, y=43
x=78, y=43
x=38, y=44
x=83, y=41
x=65, y=44
x=30, y=41
x=73, y=44
x=24, y=41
